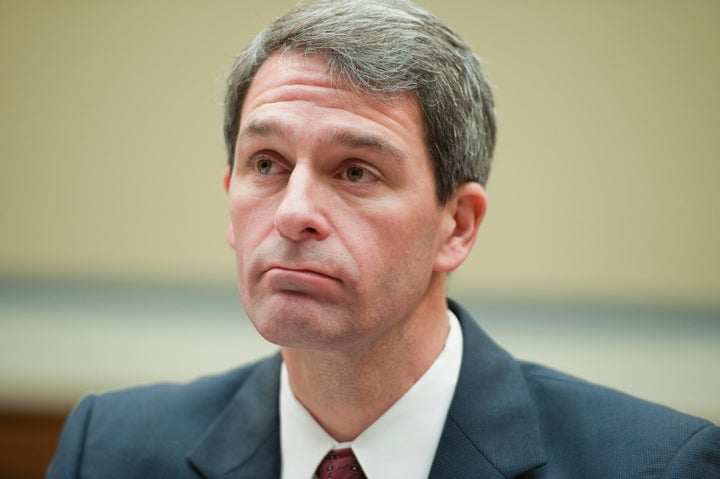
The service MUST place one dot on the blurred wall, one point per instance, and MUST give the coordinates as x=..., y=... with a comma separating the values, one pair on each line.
x=604, y=183
x=113, y=263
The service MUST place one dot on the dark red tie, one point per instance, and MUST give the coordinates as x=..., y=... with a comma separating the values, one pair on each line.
x=340, y=464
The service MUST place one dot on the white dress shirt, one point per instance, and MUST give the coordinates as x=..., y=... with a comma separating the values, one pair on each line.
x=401, y=443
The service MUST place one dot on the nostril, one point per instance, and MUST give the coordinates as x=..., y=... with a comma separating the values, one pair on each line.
x=311, y=230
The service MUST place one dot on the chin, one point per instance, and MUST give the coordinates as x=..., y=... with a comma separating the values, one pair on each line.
x=293, y=323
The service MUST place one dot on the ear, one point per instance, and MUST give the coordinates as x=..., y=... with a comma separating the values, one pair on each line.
x=230, y=234
x=226, y=178
x=463, y=214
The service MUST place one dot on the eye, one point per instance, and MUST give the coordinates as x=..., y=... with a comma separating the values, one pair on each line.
x=355, y=174
x=264, y=166
x=358, y=174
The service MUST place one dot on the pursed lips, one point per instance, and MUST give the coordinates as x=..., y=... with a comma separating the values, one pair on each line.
x=301, y=271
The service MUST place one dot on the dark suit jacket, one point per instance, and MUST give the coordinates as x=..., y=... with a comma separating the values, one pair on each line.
x=507, y=419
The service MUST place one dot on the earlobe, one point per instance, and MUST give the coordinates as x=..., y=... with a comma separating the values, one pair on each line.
x=464, y=214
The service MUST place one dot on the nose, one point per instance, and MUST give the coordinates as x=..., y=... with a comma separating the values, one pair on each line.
x=301, y=213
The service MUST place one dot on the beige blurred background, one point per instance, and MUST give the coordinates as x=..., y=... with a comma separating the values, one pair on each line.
x=603, y=195
x=604, y=183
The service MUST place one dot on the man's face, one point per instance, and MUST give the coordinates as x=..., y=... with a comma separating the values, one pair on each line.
x=333, y=213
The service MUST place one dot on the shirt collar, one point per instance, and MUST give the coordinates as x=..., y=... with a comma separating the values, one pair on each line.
x=400, y=443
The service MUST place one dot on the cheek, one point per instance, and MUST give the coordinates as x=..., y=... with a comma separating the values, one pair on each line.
x=251, y=222
x=397, y=248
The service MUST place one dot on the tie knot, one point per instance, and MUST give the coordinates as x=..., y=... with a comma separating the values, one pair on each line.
x=340, y=464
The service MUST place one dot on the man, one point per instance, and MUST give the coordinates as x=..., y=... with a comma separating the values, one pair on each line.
x=359, y=139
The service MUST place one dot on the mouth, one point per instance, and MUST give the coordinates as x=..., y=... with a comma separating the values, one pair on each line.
x=299, y=277
x=301, y=272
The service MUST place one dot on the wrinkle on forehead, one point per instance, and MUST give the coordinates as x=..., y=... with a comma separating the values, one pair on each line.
x=293, y=91
x=355, y=140
x=296, y=69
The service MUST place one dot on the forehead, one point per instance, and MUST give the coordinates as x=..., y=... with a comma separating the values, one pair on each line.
x=290, y=78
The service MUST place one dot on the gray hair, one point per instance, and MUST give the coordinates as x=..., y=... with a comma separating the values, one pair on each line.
x=385, y=48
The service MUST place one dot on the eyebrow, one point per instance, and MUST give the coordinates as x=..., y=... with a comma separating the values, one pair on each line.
x=264, y=128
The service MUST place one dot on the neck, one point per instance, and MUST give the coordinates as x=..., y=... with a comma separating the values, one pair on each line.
x=348, y=389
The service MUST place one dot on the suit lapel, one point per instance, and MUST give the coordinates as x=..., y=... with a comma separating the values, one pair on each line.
x=491, y=430
x=244, y=441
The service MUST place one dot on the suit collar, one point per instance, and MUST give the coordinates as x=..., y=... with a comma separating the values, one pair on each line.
x=491, y=429
x=490, y=432
x=243, y=442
